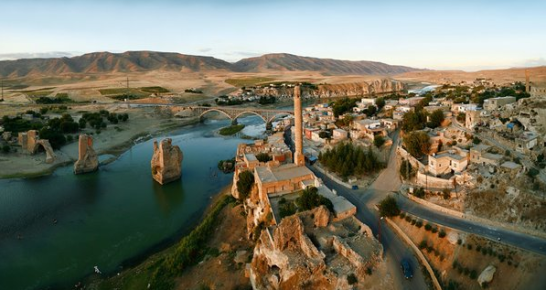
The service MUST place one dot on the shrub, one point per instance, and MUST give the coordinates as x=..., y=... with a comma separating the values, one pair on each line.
x=434, y=230
x=419, y=224
x=408, y=218
x=352, y=279
x=402, y=215
x=473, y=274
x=469, y=246
x=442, y=233
x=263, y=157
x=6, y=148
x=478, y=248
x=423, y=244
x=369, y=271
x=413, y=221
x=388, y=207
x=309, y=199
x=459, y=241
x=428, y=227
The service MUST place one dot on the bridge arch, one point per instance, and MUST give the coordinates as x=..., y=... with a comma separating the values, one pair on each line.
x=276, y=115
x=250, y=113
x=216, y=110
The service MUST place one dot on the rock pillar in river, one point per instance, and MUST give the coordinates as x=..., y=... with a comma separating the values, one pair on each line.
x=166, y=162
x=88, y=160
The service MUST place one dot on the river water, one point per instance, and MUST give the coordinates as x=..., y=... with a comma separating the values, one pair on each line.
x=55, y=229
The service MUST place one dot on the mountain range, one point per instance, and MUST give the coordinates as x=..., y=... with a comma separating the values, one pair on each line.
x=144, y=61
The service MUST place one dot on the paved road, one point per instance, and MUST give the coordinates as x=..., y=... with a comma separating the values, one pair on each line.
x=395, y=248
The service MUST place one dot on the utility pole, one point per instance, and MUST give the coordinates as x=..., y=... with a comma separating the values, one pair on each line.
x=2, y=99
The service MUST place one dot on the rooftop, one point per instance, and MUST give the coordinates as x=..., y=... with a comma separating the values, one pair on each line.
x=282, y=172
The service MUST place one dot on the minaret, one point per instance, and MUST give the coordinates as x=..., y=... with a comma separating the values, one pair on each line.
x=527, y=89
x=299, y=159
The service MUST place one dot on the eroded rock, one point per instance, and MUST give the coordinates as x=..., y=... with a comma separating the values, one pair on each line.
x=166, y=162
x=88, y=160
x=487, y=275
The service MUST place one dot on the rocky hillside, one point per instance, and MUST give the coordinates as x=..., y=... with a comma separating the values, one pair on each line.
x=290, y=62
x=144, y=61
x=336, y=90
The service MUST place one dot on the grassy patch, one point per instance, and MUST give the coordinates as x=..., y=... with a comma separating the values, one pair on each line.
x=245, y=82
x=226, y=131
x=154, y=90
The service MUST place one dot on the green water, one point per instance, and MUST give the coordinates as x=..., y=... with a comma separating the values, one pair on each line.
x=107, y=217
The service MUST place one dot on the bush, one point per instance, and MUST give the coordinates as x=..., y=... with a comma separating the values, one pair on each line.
x=428, y=227
x=402, y=215
x=408, y=218
x=419, y=192
x=442, y=233
x=263, y=157
x=473, y=274
x=413, y=221
x=423, y=244
x=352, y=279
x=469, y=246
x=434, y=230
x=419, y=224
x=6, y=148
x=388, y=207
x=310, y=199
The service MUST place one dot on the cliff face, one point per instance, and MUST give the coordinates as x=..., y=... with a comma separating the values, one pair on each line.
x=309, y=251
x=88, y=160
x=166, y=162
x=336, y=90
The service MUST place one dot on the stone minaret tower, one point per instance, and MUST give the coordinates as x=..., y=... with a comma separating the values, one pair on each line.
x=299, y=159
x=527, y=89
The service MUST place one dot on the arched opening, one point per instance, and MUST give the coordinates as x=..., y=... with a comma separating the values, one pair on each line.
x=220, y=112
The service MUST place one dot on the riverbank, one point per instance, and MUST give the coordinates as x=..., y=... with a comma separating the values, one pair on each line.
x=143, y=124
x=219, y=228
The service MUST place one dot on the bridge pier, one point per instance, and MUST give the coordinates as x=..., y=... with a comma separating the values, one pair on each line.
x=234, y=122
x=268, y=126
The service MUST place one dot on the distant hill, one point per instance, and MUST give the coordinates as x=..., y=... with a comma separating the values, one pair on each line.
x=290, y=62
x=143, y=61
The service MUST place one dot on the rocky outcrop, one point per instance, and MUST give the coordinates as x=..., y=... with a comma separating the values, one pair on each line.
x=166, y=162
x=487, y=276
x=88, y=160
x=378, y=86
x=310, y=251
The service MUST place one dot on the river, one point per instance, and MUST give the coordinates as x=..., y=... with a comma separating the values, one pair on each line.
x=55, y=229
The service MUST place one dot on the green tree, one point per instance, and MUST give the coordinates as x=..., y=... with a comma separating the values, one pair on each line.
x=417, y=143
x=406, y=170
x=309, y=199
x=6, y=148
x=413, y=121
x=263, y=157
x=379, y=141
x=380, y=102
x=388, y=207
x=436, y=119
x=245, y=183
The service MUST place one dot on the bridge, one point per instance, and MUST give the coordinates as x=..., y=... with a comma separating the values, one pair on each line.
x=233, y=113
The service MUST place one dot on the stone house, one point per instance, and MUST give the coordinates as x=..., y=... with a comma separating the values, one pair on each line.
x=495, y=103
x=451, y=161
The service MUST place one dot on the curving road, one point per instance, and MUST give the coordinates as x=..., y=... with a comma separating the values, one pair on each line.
x=365, y=200
x=387, y=183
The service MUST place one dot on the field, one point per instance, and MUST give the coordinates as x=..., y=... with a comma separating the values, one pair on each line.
x=248, y=81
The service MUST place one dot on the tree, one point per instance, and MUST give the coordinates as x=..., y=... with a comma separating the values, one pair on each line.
x=406, y=170
x=263, y=157
x=388, y=207
x=245, y=183
x=82, y=123
x=324, y=134
x=436, y=119
x=309, y=199
x=413, y=121
x=417, y=143
x=6, y=148
x=379, y=141
x=380, y=102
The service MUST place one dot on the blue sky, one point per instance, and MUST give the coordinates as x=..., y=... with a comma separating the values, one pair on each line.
x=437, y=34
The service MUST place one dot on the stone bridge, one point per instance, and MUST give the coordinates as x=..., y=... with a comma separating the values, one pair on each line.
x=233, y=113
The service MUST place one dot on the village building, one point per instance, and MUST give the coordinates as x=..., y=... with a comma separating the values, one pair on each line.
x=526, y=141
x=412, y=102
x=454, y=160
x=495, y=103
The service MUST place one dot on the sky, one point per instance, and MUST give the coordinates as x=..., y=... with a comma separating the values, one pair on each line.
x=440, y=34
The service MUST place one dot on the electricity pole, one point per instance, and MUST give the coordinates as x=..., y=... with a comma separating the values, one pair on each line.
x=2, y=99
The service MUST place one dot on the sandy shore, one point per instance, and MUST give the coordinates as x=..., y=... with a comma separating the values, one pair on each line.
x=115, y=139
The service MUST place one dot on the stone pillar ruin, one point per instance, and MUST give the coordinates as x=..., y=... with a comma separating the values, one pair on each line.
x=299, y=158
x=166, y=162
x=88, y=160
x=30, y=141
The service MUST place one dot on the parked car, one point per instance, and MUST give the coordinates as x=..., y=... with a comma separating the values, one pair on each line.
x=406, y=269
